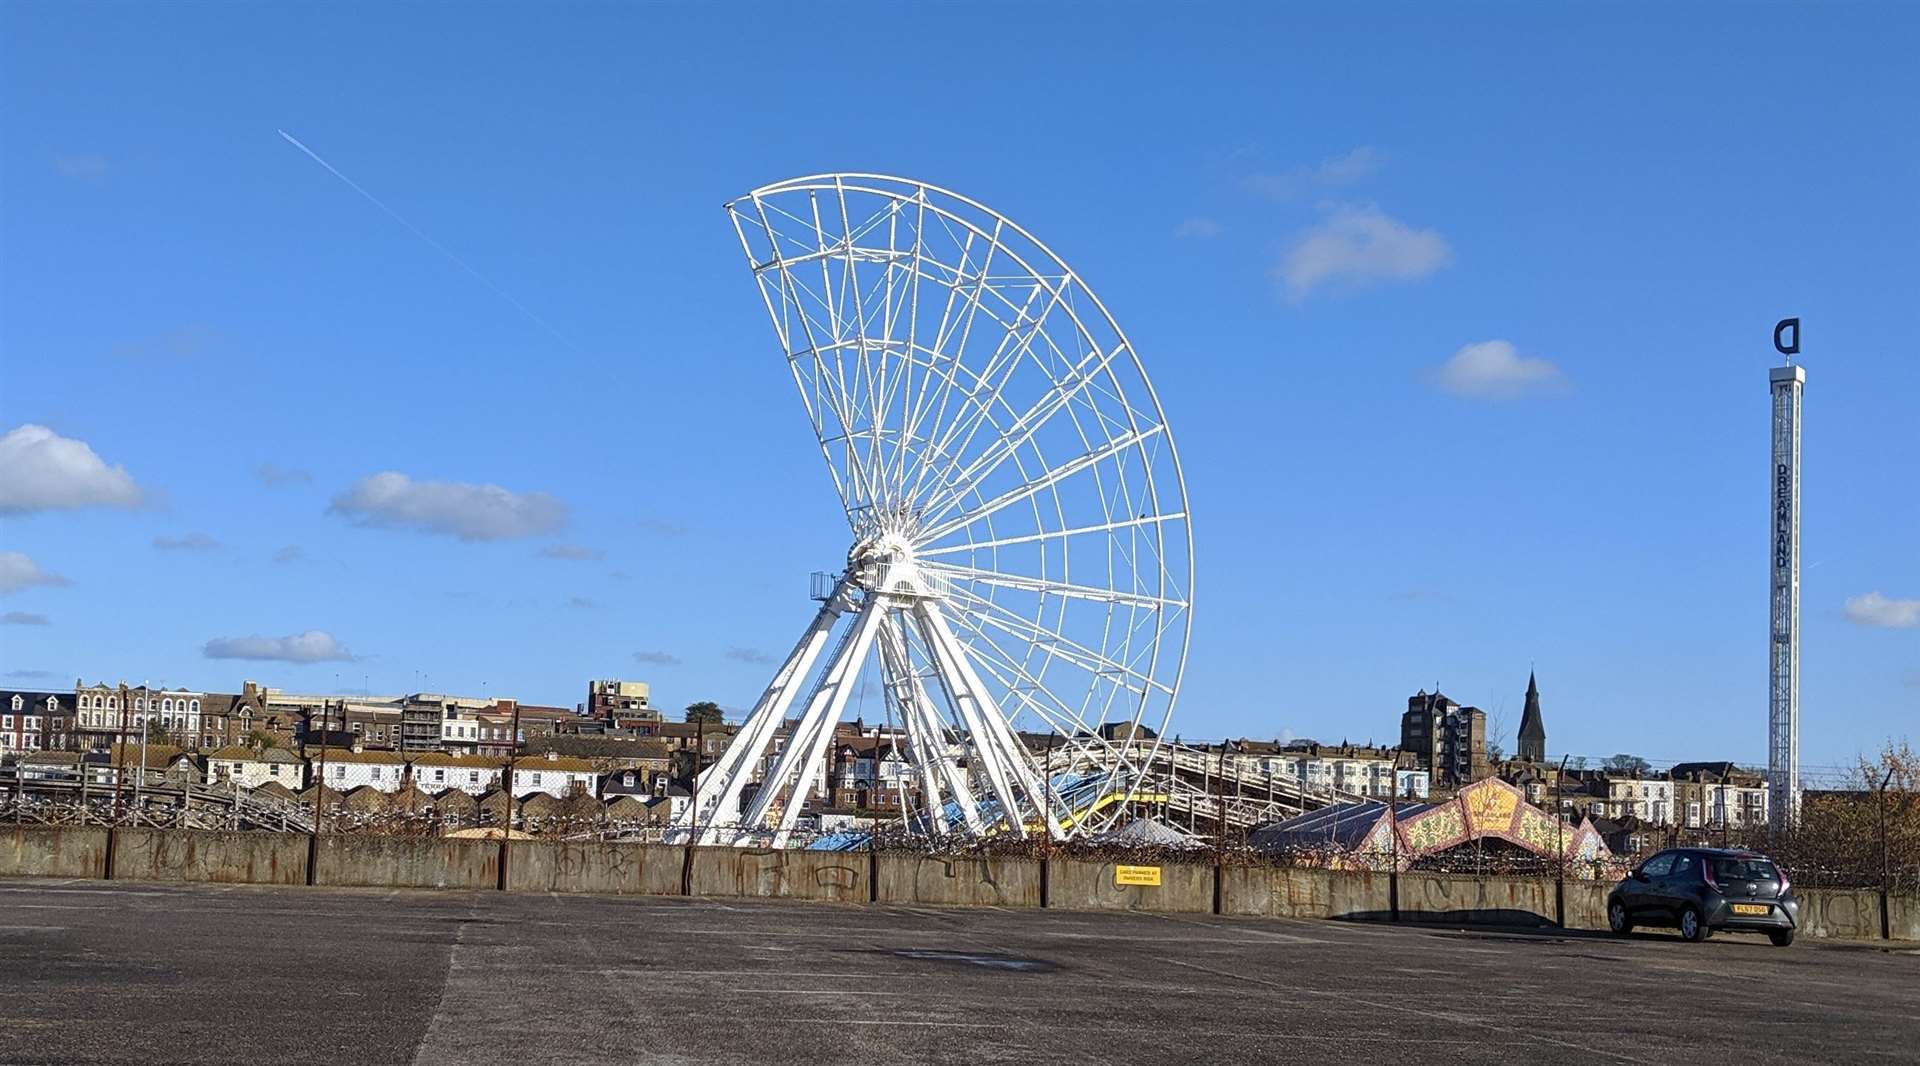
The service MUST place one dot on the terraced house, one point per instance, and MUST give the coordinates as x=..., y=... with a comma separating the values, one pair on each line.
x=554, y=774
x=345, y=769
x=33, y=721
x=476, y=775
x=250, y=769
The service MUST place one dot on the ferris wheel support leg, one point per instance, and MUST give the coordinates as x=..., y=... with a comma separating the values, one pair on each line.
x=816, y=730
x=928, y=735
x=999, y=729
x=976, y=707
x=729, y=775
x=900, y=682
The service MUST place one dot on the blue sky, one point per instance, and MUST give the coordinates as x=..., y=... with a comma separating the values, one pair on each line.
x=1461, y=322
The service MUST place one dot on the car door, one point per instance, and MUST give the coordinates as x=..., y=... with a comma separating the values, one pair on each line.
x=1640, y=895
x=1678, y=888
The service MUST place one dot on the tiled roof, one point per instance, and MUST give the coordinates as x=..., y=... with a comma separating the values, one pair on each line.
x=537, y=763
x=242, y=753
x=156, y=754
x=348, y=755
x=441, y=758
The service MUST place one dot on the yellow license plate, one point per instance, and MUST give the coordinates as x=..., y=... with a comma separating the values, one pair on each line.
x=1751, y=908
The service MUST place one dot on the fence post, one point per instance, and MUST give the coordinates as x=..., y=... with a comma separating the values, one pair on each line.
x=1886, y=876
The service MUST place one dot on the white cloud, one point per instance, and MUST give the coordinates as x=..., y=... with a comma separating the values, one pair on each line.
x=753, y=656
x=656, y=658
x=23, y=618
x=289, y=554
x=1198, y=228
x=275, y=476
x=1873, y=609
x=583, y=603
x=457, y=509
x=88, y=165
x=1496, y=370
x=42, y=471
x=572, y=553
x=32, y=674
x=19, y=572
x=192, y=542
x=1360, y=244
x=313, y=646
x=1334, y=171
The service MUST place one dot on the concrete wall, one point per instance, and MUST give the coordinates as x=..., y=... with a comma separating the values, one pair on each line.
x=1269, y=892
x=1840, y=912
x=540, y=866
x=1075, y=885
x=1587, y=904
x=1359, y=894
x=1903, y=917
x=943, y=881
x=589, y=866
x=52, y=851
x=396, y=862
x=1476, y=900
x=771, y=874
x=244, y=858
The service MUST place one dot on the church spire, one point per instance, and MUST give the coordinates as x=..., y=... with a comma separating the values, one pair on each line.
x=1533, y=728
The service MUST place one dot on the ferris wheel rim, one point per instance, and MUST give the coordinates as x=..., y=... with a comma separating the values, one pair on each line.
x=1175, y=639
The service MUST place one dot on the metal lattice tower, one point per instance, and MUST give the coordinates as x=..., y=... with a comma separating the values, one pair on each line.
x=1783, y=688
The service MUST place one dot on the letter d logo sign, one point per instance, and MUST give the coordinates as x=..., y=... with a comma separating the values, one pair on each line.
x=1788, y=328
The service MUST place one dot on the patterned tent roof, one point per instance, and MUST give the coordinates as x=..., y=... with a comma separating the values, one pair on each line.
x=1364, y=833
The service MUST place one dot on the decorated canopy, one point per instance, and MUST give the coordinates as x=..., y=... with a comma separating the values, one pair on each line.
x=1373, y=835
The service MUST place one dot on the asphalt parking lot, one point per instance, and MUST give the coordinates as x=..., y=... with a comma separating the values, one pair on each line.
x=95, y=972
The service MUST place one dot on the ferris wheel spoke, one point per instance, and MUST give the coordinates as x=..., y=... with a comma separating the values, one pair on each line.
x=1046, y=587
x=992, y=379
x=1028, y=490
x=984, y=467
x=944, y=337
x=1045, y=481
x=1019, y=683
x=1068, y=651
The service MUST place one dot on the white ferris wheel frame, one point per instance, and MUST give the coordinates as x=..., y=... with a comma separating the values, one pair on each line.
x=925, y=452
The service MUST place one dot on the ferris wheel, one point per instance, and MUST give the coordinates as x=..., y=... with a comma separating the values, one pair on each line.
x=1019, y=579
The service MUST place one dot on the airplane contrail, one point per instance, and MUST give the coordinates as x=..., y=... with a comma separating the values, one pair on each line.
x=437, y=246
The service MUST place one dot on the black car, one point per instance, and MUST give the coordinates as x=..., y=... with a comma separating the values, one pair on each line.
x=1699, y=890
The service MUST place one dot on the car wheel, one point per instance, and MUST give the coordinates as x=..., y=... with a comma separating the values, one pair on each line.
x=1781, y=937
x=1692, y=928
x=1617, y=920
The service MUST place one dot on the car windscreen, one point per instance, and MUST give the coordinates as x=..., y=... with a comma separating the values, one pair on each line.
x=1744, y=870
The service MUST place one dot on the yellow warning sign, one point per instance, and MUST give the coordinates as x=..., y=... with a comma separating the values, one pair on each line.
x=1136, y=875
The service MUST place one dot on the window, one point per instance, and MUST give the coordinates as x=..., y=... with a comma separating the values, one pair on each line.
x=1685, y=867
x=18, y=703
x=6, y=721
x=1658, y=866
x=194, y=706
x=167, y=706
